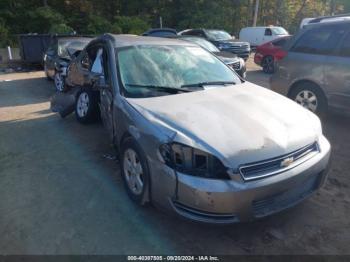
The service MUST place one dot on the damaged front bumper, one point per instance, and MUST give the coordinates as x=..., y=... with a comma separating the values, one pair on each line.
x=232, y=201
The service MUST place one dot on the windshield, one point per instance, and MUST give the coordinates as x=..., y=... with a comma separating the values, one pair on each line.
x=218, y=35
x=64, y=45
x=279, y=31
x=203, y=43
x=144, y=69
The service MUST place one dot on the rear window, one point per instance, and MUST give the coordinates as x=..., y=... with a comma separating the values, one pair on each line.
x=318, y=41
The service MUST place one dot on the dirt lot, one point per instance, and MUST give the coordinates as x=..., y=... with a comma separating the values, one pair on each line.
x=59, y=194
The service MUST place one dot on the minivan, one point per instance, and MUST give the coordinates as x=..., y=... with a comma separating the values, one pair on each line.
x=315, y=72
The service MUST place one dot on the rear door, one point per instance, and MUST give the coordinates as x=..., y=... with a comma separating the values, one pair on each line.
x=337, y=71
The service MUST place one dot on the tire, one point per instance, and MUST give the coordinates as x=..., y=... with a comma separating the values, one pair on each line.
x=86, y=106
x=60, y=83
x=268, y=64
x=310, y=96
x=135, y=172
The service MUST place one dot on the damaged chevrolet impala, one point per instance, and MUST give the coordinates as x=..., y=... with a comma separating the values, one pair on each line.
x=191, y=135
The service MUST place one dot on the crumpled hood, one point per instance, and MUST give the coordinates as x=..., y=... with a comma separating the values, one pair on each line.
x=239, y=124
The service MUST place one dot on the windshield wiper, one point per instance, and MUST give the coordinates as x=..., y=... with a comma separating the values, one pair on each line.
x=217, y=83
x=173, y=90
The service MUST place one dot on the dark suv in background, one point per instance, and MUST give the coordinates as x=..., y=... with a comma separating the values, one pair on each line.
x=316, y=71
x=222, y=40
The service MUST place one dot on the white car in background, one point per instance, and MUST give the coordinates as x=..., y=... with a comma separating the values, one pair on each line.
x=261, y=34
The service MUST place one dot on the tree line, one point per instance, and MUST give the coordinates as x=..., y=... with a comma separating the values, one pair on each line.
x=136, y=16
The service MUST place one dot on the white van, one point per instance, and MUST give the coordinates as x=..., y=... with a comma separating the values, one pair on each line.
x=261, y=34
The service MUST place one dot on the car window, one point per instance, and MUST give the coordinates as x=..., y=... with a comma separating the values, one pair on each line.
x=268, y=32
x=344, y=49
x=218, y=35
x=196, y=33
x=97, y=65
x=318, y=41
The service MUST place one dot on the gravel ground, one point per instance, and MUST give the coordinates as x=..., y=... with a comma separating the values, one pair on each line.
x=60, y=194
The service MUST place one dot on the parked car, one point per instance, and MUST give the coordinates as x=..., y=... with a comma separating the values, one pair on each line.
x=192, y=136
x=315, y=72
x=259, y=35
x=59, y=54
x=232, y=60
x=324, y=19
x=160, y=32
x=222, y=40
x=268, y=54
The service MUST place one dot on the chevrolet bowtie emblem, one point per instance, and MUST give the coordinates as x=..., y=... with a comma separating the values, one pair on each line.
x=287, y=162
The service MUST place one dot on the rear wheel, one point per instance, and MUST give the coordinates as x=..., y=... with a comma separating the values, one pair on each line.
x=268, y=64
x=310, y=96
x=86, y=106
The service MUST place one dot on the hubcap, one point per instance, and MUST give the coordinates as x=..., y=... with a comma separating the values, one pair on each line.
x=83, y=104
x=133, y=171
x=58, y=82
x=307, y=99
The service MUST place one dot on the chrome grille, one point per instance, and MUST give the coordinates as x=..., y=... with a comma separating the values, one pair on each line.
x=277, y=165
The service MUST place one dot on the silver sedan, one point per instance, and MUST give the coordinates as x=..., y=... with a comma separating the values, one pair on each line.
x=192, y=136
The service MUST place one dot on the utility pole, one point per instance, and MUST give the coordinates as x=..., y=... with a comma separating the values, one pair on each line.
x=160, y=22
x=332, y=7
x=256, y=12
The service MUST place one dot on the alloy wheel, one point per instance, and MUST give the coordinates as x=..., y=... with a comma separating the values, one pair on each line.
x=59, y=83
x=307, y=99
x=83, y=104
x=268, y=64
x=133, y=171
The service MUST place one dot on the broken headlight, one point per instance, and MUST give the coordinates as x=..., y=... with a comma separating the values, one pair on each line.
x=192, y=161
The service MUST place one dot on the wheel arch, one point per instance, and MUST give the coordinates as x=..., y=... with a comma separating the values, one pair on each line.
x=304, y=81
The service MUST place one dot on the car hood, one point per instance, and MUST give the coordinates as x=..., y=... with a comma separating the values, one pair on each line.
x=234, y=42
x=227, y=57
x=239, y=124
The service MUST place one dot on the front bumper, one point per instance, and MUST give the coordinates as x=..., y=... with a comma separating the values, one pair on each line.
x=232, y=201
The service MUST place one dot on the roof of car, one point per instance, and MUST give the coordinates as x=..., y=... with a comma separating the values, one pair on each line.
x=132, y=40
x=330, y=23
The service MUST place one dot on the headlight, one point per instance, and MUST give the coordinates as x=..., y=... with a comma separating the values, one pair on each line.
x=192, y=161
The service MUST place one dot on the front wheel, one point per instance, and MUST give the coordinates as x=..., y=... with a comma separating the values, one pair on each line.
x=134, y=171
x=86, y=106
x=311, y=97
